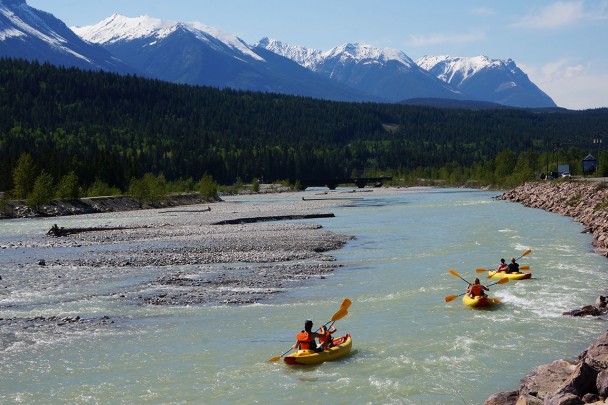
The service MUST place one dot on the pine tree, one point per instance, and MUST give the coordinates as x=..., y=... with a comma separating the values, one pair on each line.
x=42, y=192
x=24, y=175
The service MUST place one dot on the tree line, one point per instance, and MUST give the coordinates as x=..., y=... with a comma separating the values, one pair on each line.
x=103, y=129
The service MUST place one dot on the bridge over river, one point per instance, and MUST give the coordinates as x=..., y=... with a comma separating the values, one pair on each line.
x=360, y=182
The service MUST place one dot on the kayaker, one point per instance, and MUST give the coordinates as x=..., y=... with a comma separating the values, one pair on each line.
x=476, y=289
x=513, y=267
x=327, y=340
x=502, y=266
x=305, y=340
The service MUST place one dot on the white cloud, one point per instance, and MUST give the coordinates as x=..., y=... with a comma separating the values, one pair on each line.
x=439, y=39
x=560, y=14
x=571, y=85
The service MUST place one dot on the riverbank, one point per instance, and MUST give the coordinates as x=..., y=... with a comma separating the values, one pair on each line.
x=583, y=380
x=218, y=253
x=585, y=202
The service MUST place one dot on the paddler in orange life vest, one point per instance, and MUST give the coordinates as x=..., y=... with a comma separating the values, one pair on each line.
x=502, y=266
x=476, y=289
x=305, y=340
x=327, y=340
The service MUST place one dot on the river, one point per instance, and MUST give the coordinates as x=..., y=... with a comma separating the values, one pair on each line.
x=409, y=345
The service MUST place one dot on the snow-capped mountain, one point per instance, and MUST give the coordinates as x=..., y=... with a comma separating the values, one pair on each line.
x=118, y=29
x=196, y=54
x=385, y=73
x=485, y=79
x=31, y=34
x=301, y=55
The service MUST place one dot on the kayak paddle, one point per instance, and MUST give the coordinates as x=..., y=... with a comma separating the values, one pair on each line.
x=481, y=270
x=451, y=298
x=341, y=313
x=453, y=272
x=526, y=253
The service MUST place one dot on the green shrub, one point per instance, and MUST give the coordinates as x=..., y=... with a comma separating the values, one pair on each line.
x=148, y=189
x=207, y=187
x=68, y=187
x=42, y=193
x=100, y=188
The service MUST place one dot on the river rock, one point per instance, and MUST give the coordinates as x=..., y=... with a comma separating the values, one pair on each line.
x=587, y=310
x=564, y=399
x=564, y=382
x=581, y=382
x=601, y=383
x=547, y=379
x=502, y=398
x=528, y=400
x=597, y=354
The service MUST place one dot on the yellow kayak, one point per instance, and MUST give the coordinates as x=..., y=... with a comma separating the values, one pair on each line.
x=510, y=276
x=479, y=301
x=342, y=347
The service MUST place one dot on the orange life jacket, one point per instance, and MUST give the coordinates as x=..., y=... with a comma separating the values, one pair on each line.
x=304, y=340
x=325, y=337
x=476, y=289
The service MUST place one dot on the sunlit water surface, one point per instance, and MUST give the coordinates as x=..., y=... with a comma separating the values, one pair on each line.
x=409, y=345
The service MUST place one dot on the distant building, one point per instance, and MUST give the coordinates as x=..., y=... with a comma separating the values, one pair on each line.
x=561, y=169
x=589, y=165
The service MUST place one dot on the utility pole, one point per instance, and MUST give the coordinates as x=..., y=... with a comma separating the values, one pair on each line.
x=598, y=141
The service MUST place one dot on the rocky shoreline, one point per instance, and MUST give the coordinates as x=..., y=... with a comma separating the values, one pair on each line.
x=585, y=202
x=585, y=379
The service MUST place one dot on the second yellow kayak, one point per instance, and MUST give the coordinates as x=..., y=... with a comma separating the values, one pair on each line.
x=510, y=276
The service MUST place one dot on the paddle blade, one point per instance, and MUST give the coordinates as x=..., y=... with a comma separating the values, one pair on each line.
x=274, y=359
x=480, y=270
x=453, y=272
x=526, y=253
x=450, y=298
x=524, y=267
x=346, y=304
x=497, y=301
x=502, y=281
x=339, y=315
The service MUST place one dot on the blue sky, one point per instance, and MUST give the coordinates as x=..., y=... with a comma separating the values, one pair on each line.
x=561, y=45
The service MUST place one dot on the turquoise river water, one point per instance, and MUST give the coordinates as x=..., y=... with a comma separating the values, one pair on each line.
x=409, y=345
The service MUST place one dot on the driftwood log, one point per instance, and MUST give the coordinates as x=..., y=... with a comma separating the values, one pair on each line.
x=61, y=231
x=250, y=220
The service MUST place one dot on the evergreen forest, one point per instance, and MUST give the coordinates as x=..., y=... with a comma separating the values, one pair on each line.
x=96, y=127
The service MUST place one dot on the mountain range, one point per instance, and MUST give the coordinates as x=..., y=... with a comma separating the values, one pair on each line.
x=195, y=54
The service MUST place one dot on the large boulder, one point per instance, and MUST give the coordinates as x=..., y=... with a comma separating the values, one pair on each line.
x=601, y=383
x=547, y=379
x=564, y=399
x=581, y=382
x=597, y=354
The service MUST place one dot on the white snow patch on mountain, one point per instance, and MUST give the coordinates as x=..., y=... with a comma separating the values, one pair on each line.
x=455, y=70
x=358, y=53
x=24, y=28
x=303, y=56
x=361, y=52
x=118, y=28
